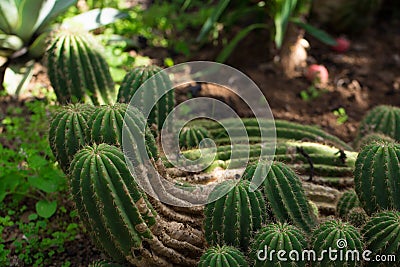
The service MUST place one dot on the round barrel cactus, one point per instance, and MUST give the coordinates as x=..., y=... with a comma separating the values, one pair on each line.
x=106, y=123
x=376, y=177
x=190, y=137
x=154, y=93
x=346, y=202
x=381, y=119
x=222, y=256
x=371, y=138
x=340, y=236
x=232, y=219
x=382, y=233
x=284, y=193
x=77, y=70
x=109, y=202
x=67, y=133
x=357, y=216
x=277, y=236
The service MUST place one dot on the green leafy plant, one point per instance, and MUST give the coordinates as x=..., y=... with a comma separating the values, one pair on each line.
x=341, y=115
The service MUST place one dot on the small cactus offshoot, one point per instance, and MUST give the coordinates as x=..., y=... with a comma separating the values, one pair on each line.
x=346, y=202
x=223, y=256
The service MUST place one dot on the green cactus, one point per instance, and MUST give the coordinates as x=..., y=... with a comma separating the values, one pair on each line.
x=191, y=137
x=346, y=202
x=67, y=133
x=371, y=138
x=138, y=76
x=382, y=234
x=338, y=235
x=284, y=193
x=232, y=219
x=357, y=217
x=376, y=177
x=222, y=256
x=277, y=236
x=77, y=69
x=104, y=263
x=381, y=119
x=106, y=123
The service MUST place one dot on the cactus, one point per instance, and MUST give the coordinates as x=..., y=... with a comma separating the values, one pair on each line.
x=371, y=138
x=346, y=202
x=357, y=217
x=381, y=119
x=233, y=218
x=277, y=236
x=191, y=137
x=104, y=263
x=284, y=193
x=163, y=106
x=382, y=234
x=67, y=133
x=222, y=256
x=77, y=69
x=107, y=121
x=336, y=234
x=376, y=177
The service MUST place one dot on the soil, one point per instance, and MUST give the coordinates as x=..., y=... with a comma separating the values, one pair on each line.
x=361, y=78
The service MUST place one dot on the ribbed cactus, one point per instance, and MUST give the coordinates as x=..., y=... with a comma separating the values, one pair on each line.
x=346, y=202
x=67, y=133
x=223, y=256
x=109, y=202
x=381, y=119
x=371, y=138
x=376, y=177
x=104, y=263
x=190, y=137
x=382, y=234
x=107, y=121
x=232, y=219
x=138, y=76
x=277, y=236
x=284, y=193
x=77, y=69
x=336, y=235
x=357, y=216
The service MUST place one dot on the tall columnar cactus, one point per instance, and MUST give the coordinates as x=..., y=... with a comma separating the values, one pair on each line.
x=382, y=234
x=222, y=256
x=191, y=137
x=376, y=177
x=277, y=236
x=346, y=202
x=77, y=69
x=109, y=202
x=284, y=193
x=232, y=219
x=156, y=89
x=67, y=132
x=107, y=121
x=381, y=119
x=338, y=235
x=357, y=216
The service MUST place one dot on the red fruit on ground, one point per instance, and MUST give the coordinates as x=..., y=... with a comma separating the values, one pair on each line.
x=317, y=74
x=342, y=45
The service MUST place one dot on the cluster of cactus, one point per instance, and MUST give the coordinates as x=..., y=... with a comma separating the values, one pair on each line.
x=157, y=92
x=77, y=70
x=223, y=256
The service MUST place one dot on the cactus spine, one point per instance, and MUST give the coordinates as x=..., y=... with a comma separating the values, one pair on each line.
x=106, y=123
x=67, y=133
x=163, y=106
x=285, y=195
x=222, y=256
x=346, y=202
x=77, y=69
x=335, y=234
x=191, y=137
x=233, y=218
x=382, y=233
x=277, y=236
x=381, y=119
x=376, y=177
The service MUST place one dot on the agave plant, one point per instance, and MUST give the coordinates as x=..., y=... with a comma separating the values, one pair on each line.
x=24, y=27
